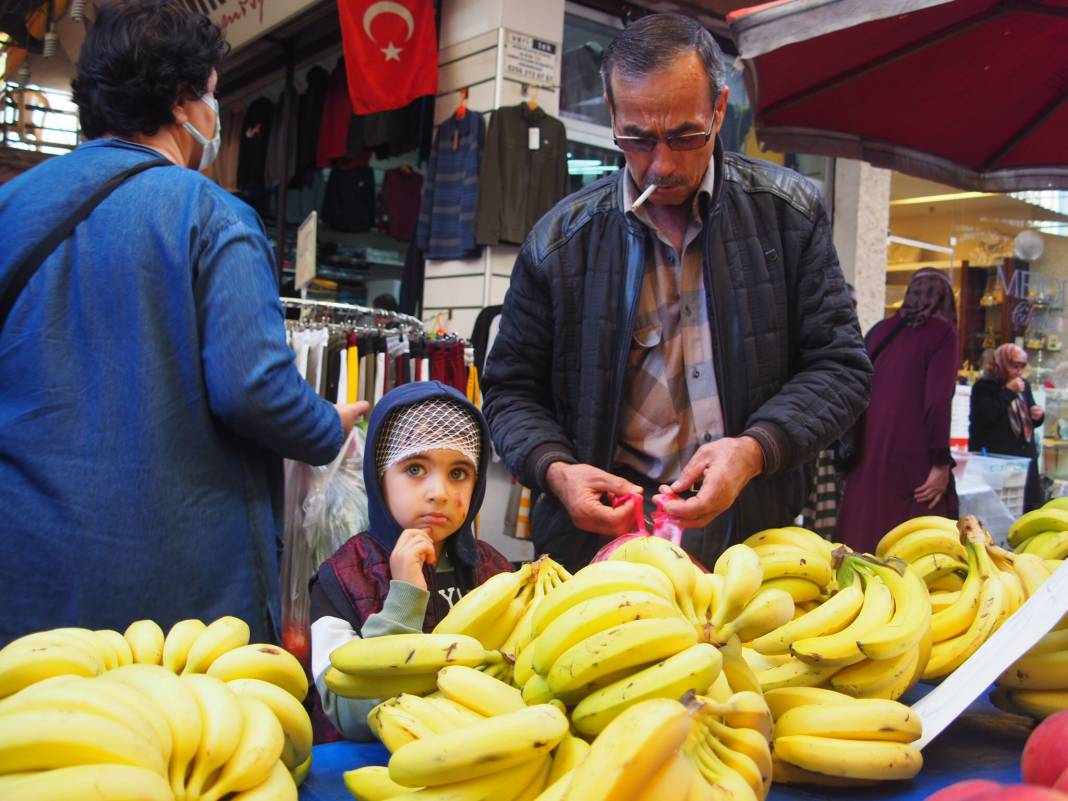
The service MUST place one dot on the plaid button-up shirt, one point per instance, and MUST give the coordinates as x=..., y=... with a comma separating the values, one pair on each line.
x=670, y=398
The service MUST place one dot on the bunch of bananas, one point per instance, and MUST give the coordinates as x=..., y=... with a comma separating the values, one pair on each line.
x=796, y=560
x=1043, y=532
x=829, y=739
x=196, y=713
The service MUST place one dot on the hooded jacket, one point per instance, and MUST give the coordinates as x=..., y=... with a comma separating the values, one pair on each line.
x=355, y=582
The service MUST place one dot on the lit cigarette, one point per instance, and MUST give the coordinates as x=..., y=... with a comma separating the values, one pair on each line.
x=643, y=197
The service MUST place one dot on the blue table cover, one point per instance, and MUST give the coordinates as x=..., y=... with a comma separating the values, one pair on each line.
x=983, y=743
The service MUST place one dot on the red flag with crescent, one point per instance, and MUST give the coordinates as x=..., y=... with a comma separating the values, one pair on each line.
x=391, y=52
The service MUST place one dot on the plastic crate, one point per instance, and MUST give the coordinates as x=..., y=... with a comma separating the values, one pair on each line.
x=1006, y=475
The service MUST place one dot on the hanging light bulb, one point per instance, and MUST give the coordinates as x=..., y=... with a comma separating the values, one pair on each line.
x=77, y=10
x=23, y=73
x=51, y=42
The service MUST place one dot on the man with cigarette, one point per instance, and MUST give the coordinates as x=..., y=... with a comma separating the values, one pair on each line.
x=681, y=326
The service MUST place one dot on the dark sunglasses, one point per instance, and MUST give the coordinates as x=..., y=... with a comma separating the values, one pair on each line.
x=647, y=144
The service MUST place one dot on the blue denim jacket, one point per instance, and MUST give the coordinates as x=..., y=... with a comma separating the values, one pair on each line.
x=147, y=397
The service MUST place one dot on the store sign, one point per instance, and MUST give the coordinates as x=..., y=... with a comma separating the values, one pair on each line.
x=307, y=236
x=1026, y=289
x=530, y=60
x=245, y=20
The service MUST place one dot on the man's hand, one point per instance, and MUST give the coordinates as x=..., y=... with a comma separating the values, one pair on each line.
x=348, y=412
x=723, y=467
x=932, y=490
x=1037, y=412
x=413, y=549
x=579, y=488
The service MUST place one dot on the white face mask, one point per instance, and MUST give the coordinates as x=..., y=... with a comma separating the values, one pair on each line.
x=210, y=146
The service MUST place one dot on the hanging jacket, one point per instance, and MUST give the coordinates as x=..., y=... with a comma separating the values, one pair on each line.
x=446, y=227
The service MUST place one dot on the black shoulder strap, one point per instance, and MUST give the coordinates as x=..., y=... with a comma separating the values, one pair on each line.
x=33, y=260
x=886, y=341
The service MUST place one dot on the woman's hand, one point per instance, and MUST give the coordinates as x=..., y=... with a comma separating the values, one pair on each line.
x=933, y=489
x=1037, y=413
x=414, y=548
x=1016, y=385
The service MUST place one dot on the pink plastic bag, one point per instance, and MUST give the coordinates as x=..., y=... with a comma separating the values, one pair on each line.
x=664, y=525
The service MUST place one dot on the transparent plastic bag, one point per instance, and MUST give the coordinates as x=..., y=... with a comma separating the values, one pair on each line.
x=664, y=525
x=325, y=506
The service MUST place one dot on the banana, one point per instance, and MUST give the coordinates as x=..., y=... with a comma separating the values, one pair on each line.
x=742, y=765
x=630, y=750
x=25, y=663
x=1040, y=703
x=396, y=727
x=955, y=618
x=840, y=649
x=475, y=690
x=278, y=786
x=103, y=782
x=600, y=578
x=603, y=656
x=424, y=711
x=831, y=616
x=954, y=582
x=593, y=616
x=395, y=655
x=48, y=738
x=296, y=724
x=501, y=785
x=349, y=686
x=785, y=773
x=502, y=628
x=706, y=588
x=801, y=590
x=934, y=566
x=1038, y=671
x=672, y=780
x=781, y=700
x=1015, y=595
x=556, y=790
x=720, y=690
x=791, y=563
x=670, y=559
x=742, y=572
x=222, y=635
x=915, y=524
x=571, y=753
x=948, y=655
x=692, y=670
x=913, y=547
x=220, y=729
x=483, y=606
x=118, y=644
x=871, y=678
x=263, y=661
x=257, y=753
x=795, y=673
x=536, y=690
x=851, y=759
x=767, y=611
x=864, y=719
x=523, y=667
x=82, y=640
x=717, y=773
x=146, y=641
x=178, y=706
x=1037, y=522
x=743, y=710
x=1048, y=545
x=372, y=783
x=458, y=715
x=911, y=618
x=739, y=675
x=793, y=536
x=178, y=641
x=745, y=741
x=1056, y=640
x=536, y=785
x=1032, y=571
x=495, y=744
x=758, y=661
x=301, y=771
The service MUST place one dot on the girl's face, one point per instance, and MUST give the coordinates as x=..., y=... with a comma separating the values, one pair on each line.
x=430, y=491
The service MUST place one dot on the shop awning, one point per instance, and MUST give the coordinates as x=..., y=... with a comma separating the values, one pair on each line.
x=972, y=93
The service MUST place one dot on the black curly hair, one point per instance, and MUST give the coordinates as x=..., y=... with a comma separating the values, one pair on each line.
x=138, y=59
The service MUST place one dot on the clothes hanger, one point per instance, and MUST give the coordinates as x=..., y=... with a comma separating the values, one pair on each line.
x=532, y=103
x=461, y=110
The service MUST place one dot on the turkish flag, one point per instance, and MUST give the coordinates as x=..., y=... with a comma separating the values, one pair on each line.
x=391, y=52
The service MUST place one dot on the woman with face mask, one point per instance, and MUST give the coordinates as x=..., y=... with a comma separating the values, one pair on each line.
x=147, y=395
x=1004, y=415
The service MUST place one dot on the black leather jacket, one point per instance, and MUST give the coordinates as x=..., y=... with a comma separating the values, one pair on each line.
x=790, y=362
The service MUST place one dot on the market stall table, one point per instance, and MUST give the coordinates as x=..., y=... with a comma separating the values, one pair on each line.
x=983, y=743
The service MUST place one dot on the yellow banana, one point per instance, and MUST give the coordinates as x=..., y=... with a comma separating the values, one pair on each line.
x=1032, y=571
x=372, y=783
x=934, y=566
x=220, y=636
x=1037, y=522
x=593, y=616
x=948, y=655
x=146, y=642
x=25, y=663
x=955, y=618
x=301, y=771
x=1048, y=545
x=291, y=714
x=556, y=790
x=717, y=773
x=864, y=719
x=739, y=675
x=571, y=753
x=672, y=780
x=600, y=578
x=178, y=641
x=911, y=618
x=484, y=605
x=791, y=563
x=670, y=559
x=350, y=686
x=278, y=786
x=831, y=616
x=475, y=690
x=795, y=673
x=913, y=547
x=536, y=785
x=220, y=729
x=395, y=655
x=742, y=765
x=851, y=759
x=692, y=670
x=758, y=661
x=743, y=710
x=265, y=662
x=706, y=589
x=1040, y=703
x=630, y=751
x=83, y=640
x=801, y=589
x=792, y=535
x=840, y=649
x=877, y=678
x=954, y=582
x=104, y=782
x=504, y=785
x=502, y=628
x=766, y=611
x=118, y=644
x=536, y=690
x=458, y=715
x=396, y=727
x=745, y=741
x=785, y=773
x=1038, y=671
x=603, y=656
x=782, y=699
x=495, y=744
x=257, y=754
x=523, y=668
x=915, y=524
x=742, y=572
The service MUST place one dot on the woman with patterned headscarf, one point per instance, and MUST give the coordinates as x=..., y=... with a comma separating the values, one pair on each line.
x=1004, y=414
x=902, y=465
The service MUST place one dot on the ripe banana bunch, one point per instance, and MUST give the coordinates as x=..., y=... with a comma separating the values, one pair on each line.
x=1037, y=683
x=796, y=560
x=670, y=560
x=1051, y=519
x=830, y=739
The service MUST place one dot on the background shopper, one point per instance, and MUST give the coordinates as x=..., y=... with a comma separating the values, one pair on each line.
x=148, y=393
x=902, y=468
x=1004, y=414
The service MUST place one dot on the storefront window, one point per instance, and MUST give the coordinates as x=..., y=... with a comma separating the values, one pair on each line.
x=588, y=163
x=586, y=35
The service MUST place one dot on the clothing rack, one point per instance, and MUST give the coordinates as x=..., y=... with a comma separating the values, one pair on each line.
x=354, y=310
